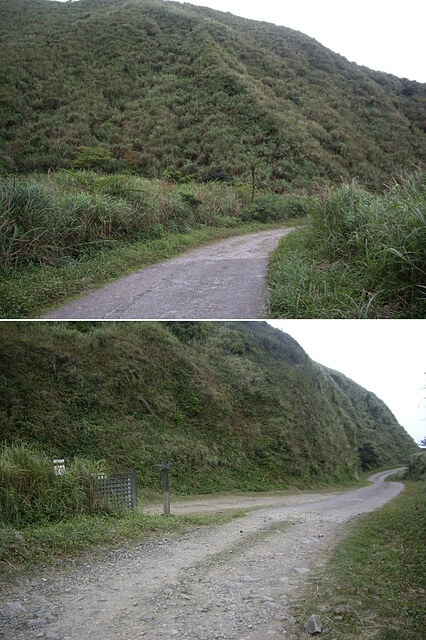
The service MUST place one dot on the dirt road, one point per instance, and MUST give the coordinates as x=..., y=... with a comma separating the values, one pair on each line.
x=226, y=279
x=230, y=582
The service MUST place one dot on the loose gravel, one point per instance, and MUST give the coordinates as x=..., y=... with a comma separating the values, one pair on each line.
x=239, y=581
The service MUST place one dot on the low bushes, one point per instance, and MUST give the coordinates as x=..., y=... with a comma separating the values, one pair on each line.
x=272, y=207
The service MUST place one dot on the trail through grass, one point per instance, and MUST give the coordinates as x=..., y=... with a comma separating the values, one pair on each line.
x=32, y=290
x=68, y=232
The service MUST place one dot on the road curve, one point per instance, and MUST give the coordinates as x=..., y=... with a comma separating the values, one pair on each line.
x=226, y=279
x=368, y=498
x=238, y=581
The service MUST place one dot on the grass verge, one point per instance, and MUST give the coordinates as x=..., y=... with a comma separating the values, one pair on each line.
x=47, y=543
x=302, y=287
x=373, y=588
x=361, y=257
x=32, y=290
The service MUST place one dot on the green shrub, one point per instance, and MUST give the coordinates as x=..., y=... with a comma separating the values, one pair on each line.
x=417, y=466
x=94, y=158
x=272, y=207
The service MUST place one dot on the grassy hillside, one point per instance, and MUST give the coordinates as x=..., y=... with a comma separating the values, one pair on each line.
x=232, y=405
x=156, y=87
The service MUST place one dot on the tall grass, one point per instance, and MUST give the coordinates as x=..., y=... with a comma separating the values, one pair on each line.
x=30, y=492
x=385, y=234
x=364, y=255
x=51, y=218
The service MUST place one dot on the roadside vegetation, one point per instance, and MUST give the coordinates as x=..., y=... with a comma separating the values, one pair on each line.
x=363, y=256
x=373, y=587
x=360, y=256
x=65, y=232
x=31, y=492
x=44, y=516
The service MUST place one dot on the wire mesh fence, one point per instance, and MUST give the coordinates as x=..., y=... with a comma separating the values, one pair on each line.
x=119, y=489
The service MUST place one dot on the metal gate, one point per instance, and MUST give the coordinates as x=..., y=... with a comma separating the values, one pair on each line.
x=119, y=489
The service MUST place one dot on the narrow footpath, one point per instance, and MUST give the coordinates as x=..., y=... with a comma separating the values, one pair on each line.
x=226, y=279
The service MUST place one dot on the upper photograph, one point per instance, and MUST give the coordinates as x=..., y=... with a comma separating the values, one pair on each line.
x=236, y=160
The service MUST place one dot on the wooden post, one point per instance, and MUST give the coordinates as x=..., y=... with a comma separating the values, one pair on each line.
x=134, y=489
x=166, y=487
x=164, y=467
x=253, y=186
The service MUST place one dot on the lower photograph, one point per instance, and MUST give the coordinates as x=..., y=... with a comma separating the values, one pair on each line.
x=212, y=480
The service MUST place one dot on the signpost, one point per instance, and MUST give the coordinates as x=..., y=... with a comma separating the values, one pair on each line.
x=164, y=467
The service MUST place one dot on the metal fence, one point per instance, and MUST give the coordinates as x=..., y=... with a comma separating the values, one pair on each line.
x=119, y=489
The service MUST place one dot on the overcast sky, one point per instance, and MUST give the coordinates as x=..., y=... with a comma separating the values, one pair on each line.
x=387, y=357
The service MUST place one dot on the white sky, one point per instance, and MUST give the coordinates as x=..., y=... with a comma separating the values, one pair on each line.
x=387, y=35
x=387, y=357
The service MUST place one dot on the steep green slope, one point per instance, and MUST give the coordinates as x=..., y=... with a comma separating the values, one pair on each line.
x=164, y=86
x=232, y=405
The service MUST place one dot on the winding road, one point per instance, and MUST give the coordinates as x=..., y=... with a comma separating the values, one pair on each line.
x=224, y=280
x=238, y=581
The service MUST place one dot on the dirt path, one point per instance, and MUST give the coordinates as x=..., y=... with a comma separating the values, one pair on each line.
x=226, y=279
x=230, y=582
x=221, y=503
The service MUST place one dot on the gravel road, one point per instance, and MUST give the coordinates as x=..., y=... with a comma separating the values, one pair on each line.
x=237, y=581
x=226, y=279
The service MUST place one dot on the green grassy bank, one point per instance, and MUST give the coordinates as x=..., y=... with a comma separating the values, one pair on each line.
x=363, y=256
x=373, y=588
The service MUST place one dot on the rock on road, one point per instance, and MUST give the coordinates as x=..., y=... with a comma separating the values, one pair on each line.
x=226, y=279
x=231, y=582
